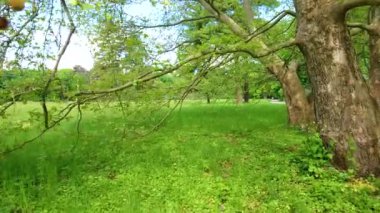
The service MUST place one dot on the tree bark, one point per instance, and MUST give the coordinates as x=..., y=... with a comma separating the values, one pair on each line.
x=300, y=110
x=238, y=95
x=248, y=14
x=374, y=43
x=246, y=95
x=346, y=114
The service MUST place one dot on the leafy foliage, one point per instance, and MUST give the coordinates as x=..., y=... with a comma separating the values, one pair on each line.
x=314, y=156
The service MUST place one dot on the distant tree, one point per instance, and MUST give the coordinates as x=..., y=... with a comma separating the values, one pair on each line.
x=80, y=69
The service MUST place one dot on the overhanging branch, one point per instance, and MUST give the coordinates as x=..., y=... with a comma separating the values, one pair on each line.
x=270, y=24
x=158, y=73
x=175, y=23
x=347, y=5
x=65, y=113
x=260, y=54
x=362, y=26
x=55, y=69
x=235, y=27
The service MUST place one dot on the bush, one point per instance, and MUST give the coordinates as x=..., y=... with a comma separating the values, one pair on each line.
x=313, y=156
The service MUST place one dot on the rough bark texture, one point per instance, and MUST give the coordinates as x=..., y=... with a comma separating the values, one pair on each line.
x=346, y=113
x=300, y=110
x=374, y=42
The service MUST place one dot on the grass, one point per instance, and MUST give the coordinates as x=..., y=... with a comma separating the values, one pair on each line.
x=207, y=158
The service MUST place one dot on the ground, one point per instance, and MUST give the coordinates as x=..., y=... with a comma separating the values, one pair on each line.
x=206, y=158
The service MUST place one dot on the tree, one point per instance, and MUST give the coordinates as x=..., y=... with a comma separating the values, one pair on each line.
x=299, y=109
x=215, y=85
x=345, y=110
x=119, y=51
x=374, y=32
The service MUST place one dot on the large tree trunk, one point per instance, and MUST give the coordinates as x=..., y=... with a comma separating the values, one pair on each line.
x=374, y=42
x=346, y=113
x=300, y=110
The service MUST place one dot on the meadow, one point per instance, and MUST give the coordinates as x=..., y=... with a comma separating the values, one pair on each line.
x=206, y=158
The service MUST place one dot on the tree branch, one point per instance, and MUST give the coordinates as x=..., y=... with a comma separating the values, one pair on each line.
x=68, y=14
x=362, y=26
x=188, y=90
x=347, y=5
x=258, y=54
x=260, y=45
x=270, y=24
x=12, y=100
x=209, y=66
x=67, y=111
x=55, y=69
x=235, y=27
x=159, y=73
x=7, y=43
x=277, y=47
x=175, y=23
x=248, y=13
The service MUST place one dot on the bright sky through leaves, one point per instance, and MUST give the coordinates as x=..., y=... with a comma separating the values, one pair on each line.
x=80, y=53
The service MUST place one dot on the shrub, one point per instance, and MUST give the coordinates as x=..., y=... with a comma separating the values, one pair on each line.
x=312, y=156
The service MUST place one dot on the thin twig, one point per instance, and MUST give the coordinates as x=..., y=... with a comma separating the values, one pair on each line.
x=12, y=100
x=53, y=124
x=80, y=116
x=55, y=69
x=269, y=24
x=205, y=69
x=175, y=23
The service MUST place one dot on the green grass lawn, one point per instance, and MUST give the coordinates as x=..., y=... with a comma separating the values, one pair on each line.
x=206, y=158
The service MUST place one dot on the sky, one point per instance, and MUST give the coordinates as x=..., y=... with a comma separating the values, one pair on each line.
x=80, y=51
